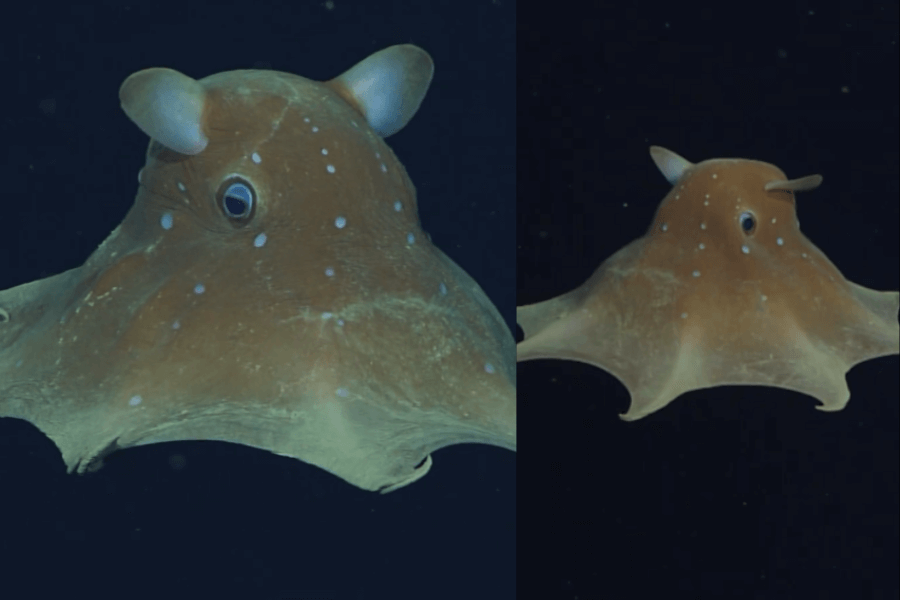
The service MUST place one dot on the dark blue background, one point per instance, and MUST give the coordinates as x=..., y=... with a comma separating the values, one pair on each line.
x=206, y=519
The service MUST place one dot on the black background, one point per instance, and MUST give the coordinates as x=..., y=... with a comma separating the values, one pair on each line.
x=731, y=492
x=207, y=519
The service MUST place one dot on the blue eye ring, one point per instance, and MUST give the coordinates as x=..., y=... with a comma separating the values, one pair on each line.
x=236, y=198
